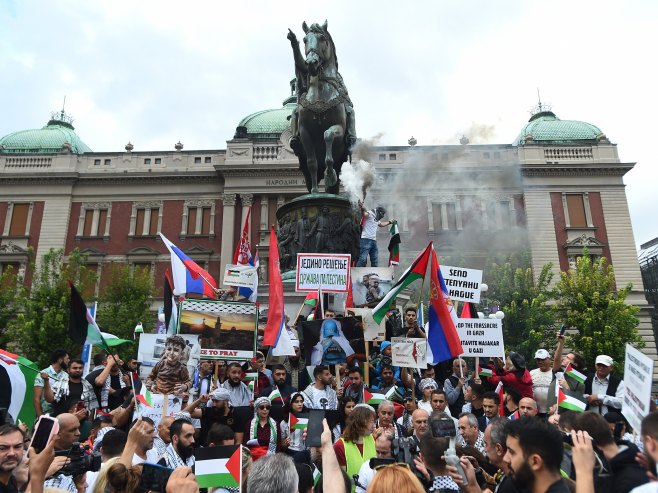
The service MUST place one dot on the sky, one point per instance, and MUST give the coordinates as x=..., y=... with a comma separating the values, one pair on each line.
x=156, y=72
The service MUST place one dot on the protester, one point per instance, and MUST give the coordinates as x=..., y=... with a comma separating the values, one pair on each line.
x=11, y=455
x=264, y=375
x=527, y=407
x=280, y=377
x=43, y=396
x=356, y=387
x=384, y=450
x=73, y=393
x=239, y=393
x=145, y=452
x=273, y=474
x=122, y=479
x=385, y=420
x=346, y=408
x=454, y=386
x=495, y=441
x=320, y=395
x=387, y=380
x=108, y=384
x=202, y=379
x=419, y=423
x=293, y=439
x=297, y=375
x=219, y=412
x=542, y=376
x=603, y=390
x=111, y=447
x=514, y=373
x=180, y=451
x=512, y=399
x=263, y=434
x=564, y=380
x=69, y=433
x=163, y=437
x=469, y=432
x=427, y=386
x=411, y=323
x=409, y=407
x=473, y=400
x=432, y=450
x=371, y=220
x=356, y=445
x=396, y=479
x=490, y=406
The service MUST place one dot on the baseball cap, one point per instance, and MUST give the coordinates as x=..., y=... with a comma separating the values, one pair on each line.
x=604, y=360
x=542, y=354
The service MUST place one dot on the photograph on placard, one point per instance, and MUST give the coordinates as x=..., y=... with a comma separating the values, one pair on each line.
x=332, y=341
x=370, y=285
x=372, y=331
x=226, y=330
x=152, y=348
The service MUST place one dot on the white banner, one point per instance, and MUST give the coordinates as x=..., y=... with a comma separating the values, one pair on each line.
x=638, y=373
x=409, y=352
x=371, y=331
x=463, y=284
x=331, y=272
x=481, y=337
x=156, y=412
x=243, y=276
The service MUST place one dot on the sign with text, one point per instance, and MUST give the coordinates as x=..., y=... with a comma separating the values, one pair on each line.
x=409, y=352
x=157, y=410
x=481, y=337
x=463, y=284
x=326, y=271
x=638, y=374
x=243, y=276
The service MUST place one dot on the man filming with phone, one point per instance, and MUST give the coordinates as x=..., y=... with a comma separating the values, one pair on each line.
x=68, y=435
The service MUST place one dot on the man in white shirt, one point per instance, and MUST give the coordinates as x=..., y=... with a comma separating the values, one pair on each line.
x=145, y=452
x=112, y=444
x=542, y=376
x=603, y=390
x=372, y=219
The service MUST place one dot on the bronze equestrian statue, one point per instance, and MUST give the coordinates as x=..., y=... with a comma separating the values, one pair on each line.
x=323, y=129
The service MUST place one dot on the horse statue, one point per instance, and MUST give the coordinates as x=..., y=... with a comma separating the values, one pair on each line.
x=322, y=125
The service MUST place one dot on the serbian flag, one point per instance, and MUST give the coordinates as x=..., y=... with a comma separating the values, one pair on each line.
x=242, y=256
x=442, y=338
x=276, y=335
x=187, y=275
x=349, y=300
x=415, y=271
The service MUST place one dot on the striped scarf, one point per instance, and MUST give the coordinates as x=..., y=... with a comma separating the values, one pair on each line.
x=173, y=460
x=271, y=446
x=105, y=391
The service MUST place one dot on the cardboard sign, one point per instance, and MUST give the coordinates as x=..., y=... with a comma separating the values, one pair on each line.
x=463, y=284
x=638, y=374
x=371, y=330
x=409, y=352
x=226, y=330
x=481, y=337
x=332, y=341
x=370, y=285
x=326, y=271
x=155, y=412
x=243, y=276
x=151, y=347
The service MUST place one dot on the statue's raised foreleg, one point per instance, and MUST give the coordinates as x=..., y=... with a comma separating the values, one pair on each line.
x=331, y=135
x=311, y=160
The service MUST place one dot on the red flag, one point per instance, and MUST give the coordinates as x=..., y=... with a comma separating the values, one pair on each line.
x=349, y=301
x=501, y=395
x=276, y=317
x=242, y=251
x=469, y=311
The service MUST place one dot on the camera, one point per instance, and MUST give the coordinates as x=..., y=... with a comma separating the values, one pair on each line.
x=405, y=449
x=443, y=428
x=79, y=460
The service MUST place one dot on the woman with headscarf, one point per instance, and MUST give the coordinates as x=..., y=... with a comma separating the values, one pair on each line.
x=263, y=434
x=514, y=373
x=427, y=386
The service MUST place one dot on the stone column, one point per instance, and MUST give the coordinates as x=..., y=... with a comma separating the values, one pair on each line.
x=247, y=200
x=264, y=217
x=228, y=222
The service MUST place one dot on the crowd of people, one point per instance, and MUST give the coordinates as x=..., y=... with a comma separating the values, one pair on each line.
x=447, y=427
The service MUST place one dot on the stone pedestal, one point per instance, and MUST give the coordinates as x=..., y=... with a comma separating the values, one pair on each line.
x=317, y=223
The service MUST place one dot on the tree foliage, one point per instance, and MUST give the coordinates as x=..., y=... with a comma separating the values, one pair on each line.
x=10, y=290
x=589, y=301
x=125, y=300
x=529, y=322
x=42, y=323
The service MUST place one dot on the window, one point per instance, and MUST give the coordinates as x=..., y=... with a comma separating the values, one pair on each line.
x=393, y=157
x=198, y=218
x=18, y=225
x=486, y=155
x=496, y=155
x=197, y=160
x=158, y=160
x=504, y=214
x=207, y=160
x=108, y=162
x=94, y=219
x=382, y=157
x=147, y=160
x=146, y=218
x=12, y=269
x=576, y=210
x=97, y=162
x=142, y=267
x=444, y=216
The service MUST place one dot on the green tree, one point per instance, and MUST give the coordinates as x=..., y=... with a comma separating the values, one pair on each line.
x=529, y=322
x=10, y=290
x=42, y=324
x=125, y=300
x=589, y=301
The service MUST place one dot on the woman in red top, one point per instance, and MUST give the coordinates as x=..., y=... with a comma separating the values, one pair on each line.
x=514, y=373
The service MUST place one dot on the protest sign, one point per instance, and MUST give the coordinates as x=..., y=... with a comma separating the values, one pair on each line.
x=370, y=285
x=329, y=272
x=481, y=337
x=371, y=330
x=638, y=373
x=155, y=411
x=463, y=284
x=333, y=340
x=243, y=276
x=226, y=330
x=151, y=347
x=409, y=352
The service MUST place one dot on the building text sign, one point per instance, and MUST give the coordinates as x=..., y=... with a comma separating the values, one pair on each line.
x=325, y=271
x=481, y=337
x=463, y=284
x=638, y=374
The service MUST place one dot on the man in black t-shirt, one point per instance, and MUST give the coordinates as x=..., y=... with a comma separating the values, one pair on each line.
x=220, y=412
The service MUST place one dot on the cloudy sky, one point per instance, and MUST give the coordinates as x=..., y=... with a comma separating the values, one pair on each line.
x=155, y=72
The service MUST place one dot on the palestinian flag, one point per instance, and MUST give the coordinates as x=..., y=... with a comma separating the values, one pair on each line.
x=391, y=392
x=485, y=372
x=252, y=386
x=416, y=271
x=17, y=376
x=575, y=374
x=250, y=377
x=144, y=397
x=316, y=476
x=275, y=394
x=218, y=467
x=372, y=399
x=299, y=422
x=82, y=326
x=571, y=400
x=394, y=245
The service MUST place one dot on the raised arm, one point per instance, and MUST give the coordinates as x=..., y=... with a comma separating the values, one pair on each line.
x=299, y=60
x=557, y=358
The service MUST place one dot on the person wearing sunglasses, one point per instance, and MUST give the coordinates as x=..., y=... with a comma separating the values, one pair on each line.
x=263, y=435
x=293, y=439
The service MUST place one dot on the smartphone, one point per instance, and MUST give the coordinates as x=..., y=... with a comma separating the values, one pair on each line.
x=154, y=477
x=314, y=428
x=563, y=329
x=45, y=428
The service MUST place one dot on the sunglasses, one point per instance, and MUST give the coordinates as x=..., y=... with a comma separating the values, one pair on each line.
x=264, y=407
x=395, y=464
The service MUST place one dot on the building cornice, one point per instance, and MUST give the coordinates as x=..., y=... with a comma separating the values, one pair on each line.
x=618, y=169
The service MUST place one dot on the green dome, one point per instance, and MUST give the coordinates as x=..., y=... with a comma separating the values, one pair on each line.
x=547, y=128
x=49, y=139
x=266, y=124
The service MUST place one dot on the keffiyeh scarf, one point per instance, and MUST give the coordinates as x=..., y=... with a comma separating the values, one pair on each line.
x=174, y=460
x=271, y=446
x=105, y=391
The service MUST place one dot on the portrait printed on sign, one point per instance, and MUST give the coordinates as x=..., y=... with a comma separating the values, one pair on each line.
x=152, y=348
x=370, y=285
x=334, y=340
x=372, y=331
x=226, y=330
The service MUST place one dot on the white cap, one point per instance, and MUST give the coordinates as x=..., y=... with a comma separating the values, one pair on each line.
x=604, y=360
x=542, y=354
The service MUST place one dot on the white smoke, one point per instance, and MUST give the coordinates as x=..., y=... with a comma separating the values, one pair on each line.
x=357, y=178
